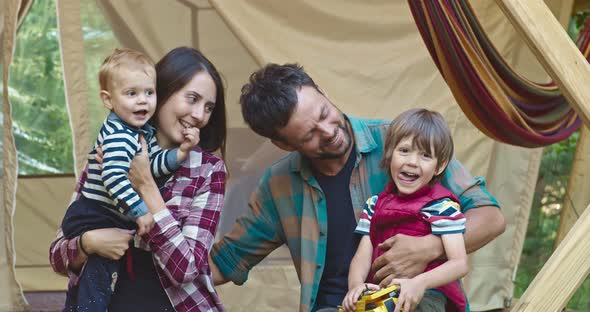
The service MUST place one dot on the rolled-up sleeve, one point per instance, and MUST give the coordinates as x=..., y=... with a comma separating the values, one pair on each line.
x=472, y=192
x=253, y=237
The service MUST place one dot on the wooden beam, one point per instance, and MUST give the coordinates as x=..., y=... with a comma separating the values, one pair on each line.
x=562, y=274
x=576, y=195
x=570, y=263
x=554, y=49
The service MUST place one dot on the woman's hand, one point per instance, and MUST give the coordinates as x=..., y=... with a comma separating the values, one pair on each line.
x=110, y=243
x=140, y=174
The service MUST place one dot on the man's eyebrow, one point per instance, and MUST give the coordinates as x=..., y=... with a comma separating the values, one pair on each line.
x=322, y=110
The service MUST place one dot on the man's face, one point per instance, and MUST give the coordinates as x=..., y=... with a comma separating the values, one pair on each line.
x=316, y=129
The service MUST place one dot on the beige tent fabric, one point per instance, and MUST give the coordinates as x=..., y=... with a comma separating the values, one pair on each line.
x=71, y=46
x=183, y=23
x=11, y=296
x=44, y=210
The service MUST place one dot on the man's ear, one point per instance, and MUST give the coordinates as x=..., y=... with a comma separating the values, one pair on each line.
x=105, y=97
x=442, y=168
x=282, y=145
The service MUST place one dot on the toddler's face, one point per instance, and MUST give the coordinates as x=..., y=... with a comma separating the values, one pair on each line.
x=411, y=168
x=133, y=96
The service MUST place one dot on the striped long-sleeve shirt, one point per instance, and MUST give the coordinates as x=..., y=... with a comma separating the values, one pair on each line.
x=444, y=216
x=120, y=143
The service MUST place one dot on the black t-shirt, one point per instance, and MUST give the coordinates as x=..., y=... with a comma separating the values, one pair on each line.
x=341, y=240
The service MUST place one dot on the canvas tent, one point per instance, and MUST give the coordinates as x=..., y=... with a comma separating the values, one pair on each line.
x=367, y=56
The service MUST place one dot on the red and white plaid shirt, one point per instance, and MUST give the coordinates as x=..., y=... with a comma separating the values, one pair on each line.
x=182, y=236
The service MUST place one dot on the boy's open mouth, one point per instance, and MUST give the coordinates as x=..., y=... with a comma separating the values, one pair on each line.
x=408, y=176
x=141, y=113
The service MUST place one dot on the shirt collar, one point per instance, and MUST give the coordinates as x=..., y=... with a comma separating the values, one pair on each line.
x=147, y=130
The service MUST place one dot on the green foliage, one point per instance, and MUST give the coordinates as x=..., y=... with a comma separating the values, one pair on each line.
x=41, y=123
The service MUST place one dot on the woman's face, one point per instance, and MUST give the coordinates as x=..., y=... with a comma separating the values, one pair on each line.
x=190, y=106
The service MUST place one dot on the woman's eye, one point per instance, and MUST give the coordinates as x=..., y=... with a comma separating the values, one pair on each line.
x=209, y=108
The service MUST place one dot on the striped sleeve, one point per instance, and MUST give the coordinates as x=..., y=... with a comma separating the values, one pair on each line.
x=365, y=221
x=162, y=162
x=444, y=216
x=119, y=148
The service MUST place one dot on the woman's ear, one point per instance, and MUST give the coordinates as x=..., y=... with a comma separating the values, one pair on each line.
x=105, y=97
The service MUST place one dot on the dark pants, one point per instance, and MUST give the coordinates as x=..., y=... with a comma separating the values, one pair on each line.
x=97, y=280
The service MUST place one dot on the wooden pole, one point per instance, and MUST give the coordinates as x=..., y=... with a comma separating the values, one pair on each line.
x=576, y=194
x=570, y=263
x=562, y=274
x=554, y=49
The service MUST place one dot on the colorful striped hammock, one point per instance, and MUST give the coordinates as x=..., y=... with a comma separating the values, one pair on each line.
x=498, y=101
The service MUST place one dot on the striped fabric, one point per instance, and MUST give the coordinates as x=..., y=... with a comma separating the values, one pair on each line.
x=444, y=216
x=502, y=104
x=120, y=143
x=289, y=207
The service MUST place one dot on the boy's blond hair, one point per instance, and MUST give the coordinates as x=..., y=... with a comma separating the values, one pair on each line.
x=428, y=130
x=123, y=58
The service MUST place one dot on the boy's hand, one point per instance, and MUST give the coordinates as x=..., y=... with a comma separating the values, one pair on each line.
x=145, y=224
x=410, y=295
x=349, y=302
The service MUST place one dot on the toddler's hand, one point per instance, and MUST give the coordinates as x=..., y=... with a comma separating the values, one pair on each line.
x=349, y=302
x=410, y=295
x=145, y=224
x=191, y=139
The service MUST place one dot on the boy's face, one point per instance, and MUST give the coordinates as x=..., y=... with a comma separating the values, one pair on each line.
x=412, y=168
x=132, y=95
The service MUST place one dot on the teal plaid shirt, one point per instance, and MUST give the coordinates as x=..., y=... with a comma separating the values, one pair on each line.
x=289, y=207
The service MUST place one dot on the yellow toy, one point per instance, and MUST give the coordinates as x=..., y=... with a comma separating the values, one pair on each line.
x=383, y=300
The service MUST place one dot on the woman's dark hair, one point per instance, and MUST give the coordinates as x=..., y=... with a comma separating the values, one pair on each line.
x=173, y=72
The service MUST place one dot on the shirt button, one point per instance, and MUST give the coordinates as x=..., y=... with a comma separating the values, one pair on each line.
x=322, y=234
x=319, y=265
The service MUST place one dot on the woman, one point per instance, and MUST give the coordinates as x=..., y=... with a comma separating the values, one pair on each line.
x=167, y=269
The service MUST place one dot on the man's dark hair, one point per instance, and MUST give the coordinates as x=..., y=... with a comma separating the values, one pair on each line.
x=270, y=97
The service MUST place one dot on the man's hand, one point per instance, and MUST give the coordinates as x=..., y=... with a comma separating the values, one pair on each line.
x=405, y=257
x=145, y=224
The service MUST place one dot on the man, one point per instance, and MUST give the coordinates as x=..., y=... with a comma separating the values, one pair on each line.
x=311, y=199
